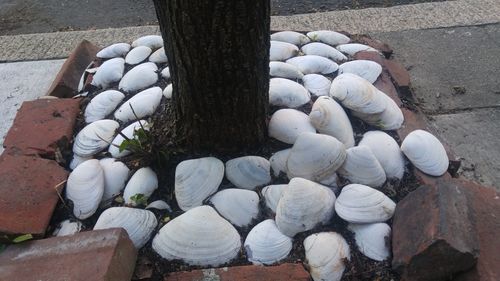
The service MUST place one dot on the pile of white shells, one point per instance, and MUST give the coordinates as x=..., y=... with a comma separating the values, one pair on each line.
x=296, y=190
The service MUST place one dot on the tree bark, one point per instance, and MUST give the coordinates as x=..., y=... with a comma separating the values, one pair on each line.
x=218, y=54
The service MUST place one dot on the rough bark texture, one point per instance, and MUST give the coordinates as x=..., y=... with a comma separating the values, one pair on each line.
x=218, y=55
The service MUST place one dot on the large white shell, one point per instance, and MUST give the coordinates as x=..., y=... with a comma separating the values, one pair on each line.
x=352, y=48
x=138, y=54
x=304, y=205
x=278, y=161
x=272, y=195
x=387, y=152
x=280, y=51
x=265, y=244
x=138, y=223
x=359, y=203
x=367, y=69
x=152, y=41
x=248, y=172
x=329, y=37
x=198, y=237
x=85, y=187
x=313, y=64
x=102, y=105
x=159, y=56
x=329, y=118
x=143, y=104
x=238, y=206
x=325, y=254
x=315, y=157
x=196, y=179
x=168, y=91
x=139, y=77
x=426, y=152
x=390, y=119
x=284, y=70
x=287, y=93
x=372, y=239
x=115, y=50
x=287, y=124
x=114, y=148
x=115, y=176
x=94, y=137
x=361, y=166
x=67, y=227
x=317, y=84
x=320, y=49
x=291, y=37
x=144, y=181
x=109, y=72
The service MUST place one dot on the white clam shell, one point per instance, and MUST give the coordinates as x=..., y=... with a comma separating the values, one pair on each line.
x=67, y=227
x=272, y=195
x=159, y=56
x=109, y=72
x=77, y=160
x=304, y=205
x=323, y=50
x=144, y=181
x=329, y=37
x=114, y=50
x=281, y=51
x=329, y=118
x=138, y=223
x=248, y=172
x=317, y=84
x=325, y=254
x=152, y=41
x=352, y=48
x=314, y=64
x=139, y=77
x=159, y=205
x=85, y=187
x=278, y=161
x=265, y=244
x=114, y=148
x=138, y=54
x=115, y=176
x=387, y=152
x=198, y=237
x=361, y=166
x=94, y=137
x=238, y=206
x=291, y=37
x=287, y=93
x=102, y=105
x=315, y=157
x=372, y=239
x=287, y=124
x=143, y=104
x=390, y=119
x=367, y=69
x=196, y=179
x=83, y=78
x=284, y=70
x=165, y=73
x=426, y=152
x=168, y=91
x=359, y=203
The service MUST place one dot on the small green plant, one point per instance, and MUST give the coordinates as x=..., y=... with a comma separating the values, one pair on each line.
x=139, y=199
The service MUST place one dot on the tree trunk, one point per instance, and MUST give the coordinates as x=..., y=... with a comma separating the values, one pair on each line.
x=218, y=53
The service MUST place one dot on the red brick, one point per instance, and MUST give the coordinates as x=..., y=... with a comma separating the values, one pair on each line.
x=88, y=256
x=29, y=196
x=282, y=272
x=42, y=126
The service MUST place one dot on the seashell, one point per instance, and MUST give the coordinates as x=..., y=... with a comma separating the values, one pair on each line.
x=138, y=223
x=272, y=194
x=280, y=51
x=85, y=187
x=316, y=84
x=248, y=172
x=114, y=148
x=115, y=176
x=83, y=78
x=159, y=205
x=196, y=179
x=67, y=227
x=329, y=37
x=387, y=152
x=94, y=137
x=265, y=244
x=313, y=64
x=114, y=50
x=359, y=203
x=198, y=237
x=352, y=48
x=77, y=160
x=238, y=206
x=304, y=205
x=109, y=72
x=278, y=161
x=138, y=54
x=102, y=105
x=159, y=56
x=390, y=119
x=366, y=69
x=287, y=124
x=287, y=93
x=329, y=118
x=361, y=166
x=144, y=182
x=165, y=73
x=323, y=50
x=291, y=37
x=142, y=104
x=168, y=91
x=315, y=157
x=139, y=77
x=426, y=152
x=284, y=70
x=325, y=255
x=152, y=41
x=372, y=239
